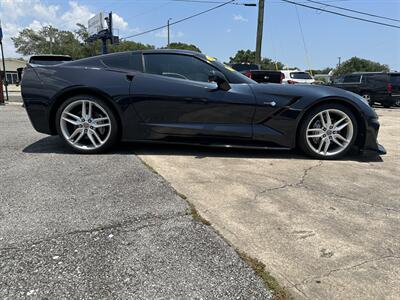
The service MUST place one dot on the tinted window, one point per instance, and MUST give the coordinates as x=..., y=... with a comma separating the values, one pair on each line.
x=376, y=79
x=395, y=79
x=125, y=61
x=352, y=79
x=300, y=75
x=177, y=66
x=231, y=74
x=338, y=79
x=46, y=62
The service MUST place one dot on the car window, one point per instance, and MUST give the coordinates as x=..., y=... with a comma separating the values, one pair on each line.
x=231, y=74
x=352, y=79
x=125, y=61
x=177, y=66
x=48, y=60
x=338, y=79
x=395, y=79
x=245, y=67
x=378, y=79
x=300, y=75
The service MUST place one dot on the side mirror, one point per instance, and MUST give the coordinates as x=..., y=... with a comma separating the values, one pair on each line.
x=219, y=79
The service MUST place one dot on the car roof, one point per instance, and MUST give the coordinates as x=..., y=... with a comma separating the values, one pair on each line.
x=366, y=73
x=171, y=51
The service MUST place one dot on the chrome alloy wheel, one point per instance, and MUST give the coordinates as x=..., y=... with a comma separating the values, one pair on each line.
x=85, y=125
x=367, y=97
x=329, y=132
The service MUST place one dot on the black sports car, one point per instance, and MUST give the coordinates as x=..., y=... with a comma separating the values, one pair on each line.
x=186, y=97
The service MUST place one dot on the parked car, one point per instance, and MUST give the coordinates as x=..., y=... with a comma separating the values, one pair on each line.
x=254, y=72
x=375, y=87
x=180, y=96
x=49, y=59
x=296, y=77
x=43, y=60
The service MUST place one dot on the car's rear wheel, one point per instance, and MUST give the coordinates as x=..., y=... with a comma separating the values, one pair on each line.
x=87, y=124
x=328, y=131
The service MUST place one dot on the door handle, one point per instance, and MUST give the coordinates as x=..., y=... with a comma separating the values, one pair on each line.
x=271, y=103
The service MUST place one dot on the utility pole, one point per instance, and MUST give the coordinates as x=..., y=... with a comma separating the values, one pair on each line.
x=260, y=26
x=168, y=32
x=339, y=61
x=51, y=42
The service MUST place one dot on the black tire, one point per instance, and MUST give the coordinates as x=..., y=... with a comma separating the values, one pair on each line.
x=387, y=106
x=113, y=135
x=310, y=115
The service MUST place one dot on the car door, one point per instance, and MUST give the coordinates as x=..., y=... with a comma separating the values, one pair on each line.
x=174, y=98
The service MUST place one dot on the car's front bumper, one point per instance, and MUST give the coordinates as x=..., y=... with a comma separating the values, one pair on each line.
x=371, y=137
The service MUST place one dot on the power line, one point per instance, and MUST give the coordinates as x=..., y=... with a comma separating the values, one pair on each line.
x=215, y=2
x=180, y=20
x=355, y=11
x=340, y=14
x=304, y=40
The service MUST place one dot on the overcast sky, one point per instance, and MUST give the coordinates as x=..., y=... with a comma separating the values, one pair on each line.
x=222, y=32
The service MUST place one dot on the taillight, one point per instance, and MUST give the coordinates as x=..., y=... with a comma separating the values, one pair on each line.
x=249, y=74
x=291, y=82
x=389, y=88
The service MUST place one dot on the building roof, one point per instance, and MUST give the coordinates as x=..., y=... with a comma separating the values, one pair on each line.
x=12, y=64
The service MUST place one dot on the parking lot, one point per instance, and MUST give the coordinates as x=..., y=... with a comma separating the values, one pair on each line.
x=324, y=229
x=96, y=226
x=102, y=227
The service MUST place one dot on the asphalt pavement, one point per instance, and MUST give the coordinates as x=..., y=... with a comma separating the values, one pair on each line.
x=324, y=229
x=102, y=227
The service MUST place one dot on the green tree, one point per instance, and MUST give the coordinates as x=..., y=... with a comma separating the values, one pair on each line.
x=50, y=40
x=320, y=71
x=129, y=46
x=243, y=56
x=47, y=40
x=183, y=46
x=248, y=56
x=356, y=64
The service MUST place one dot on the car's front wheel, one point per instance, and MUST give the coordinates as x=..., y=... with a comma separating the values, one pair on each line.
x=87, y=124
x=328, y=131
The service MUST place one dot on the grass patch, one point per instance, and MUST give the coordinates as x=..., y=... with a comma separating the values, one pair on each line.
x=279, y=292
x=195, y=214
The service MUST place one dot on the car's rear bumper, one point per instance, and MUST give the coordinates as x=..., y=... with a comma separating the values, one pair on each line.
x=38, y=113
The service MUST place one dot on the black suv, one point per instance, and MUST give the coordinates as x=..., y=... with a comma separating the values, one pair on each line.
x=383, y=88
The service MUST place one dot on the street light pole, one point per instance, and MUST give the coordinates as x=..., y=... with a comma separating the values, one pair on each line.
x=4, y=70
x=260, y=26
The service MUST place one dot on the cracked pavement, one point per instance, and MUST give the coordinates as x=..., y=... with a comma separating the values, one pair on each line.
x=324, y=229
x=102, y=227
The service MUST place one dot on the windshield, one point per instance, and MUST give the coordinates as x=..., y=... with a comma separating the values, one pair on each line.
x=300, y=75
x=232, y=75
